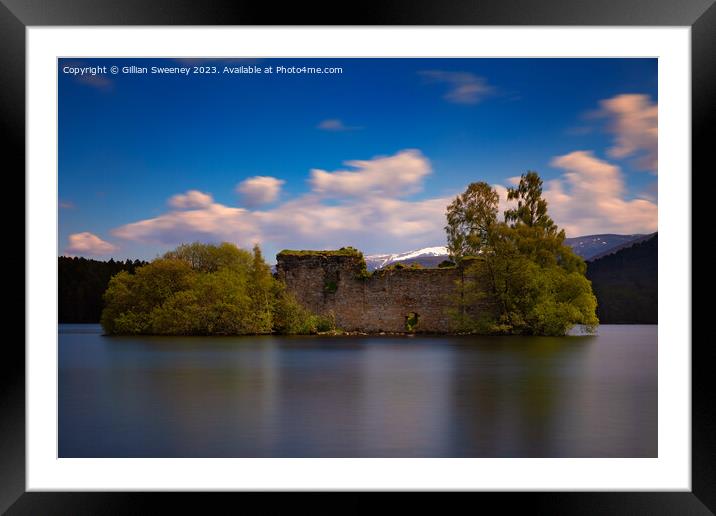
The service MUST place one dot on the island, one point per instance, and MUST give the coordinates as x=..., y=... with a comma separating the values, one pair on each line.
x=513, y=276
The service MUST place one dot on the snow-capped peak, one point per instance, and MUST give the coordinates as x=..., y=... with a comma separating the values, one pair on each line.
x=426, y=251
x=377, y=261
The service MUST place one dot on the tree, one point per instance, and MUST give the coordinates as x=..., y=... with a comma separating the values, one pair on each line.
x=211, y=258
x=469, y=218
x=205, y=289
x=531, y=207
x=525, y=281
x=81, y=283
x=131, y=298
x=260, y=282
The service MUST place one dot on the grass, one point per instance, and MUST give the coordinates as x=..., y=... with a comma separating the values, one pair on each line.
x=343, y=251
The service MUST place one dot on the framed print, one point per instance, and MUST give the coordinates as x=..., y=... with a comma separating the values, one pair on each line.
x=418, y=250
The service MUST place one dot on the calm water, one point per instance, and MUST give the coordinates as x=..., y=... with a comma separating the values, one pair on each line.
x=358, y=396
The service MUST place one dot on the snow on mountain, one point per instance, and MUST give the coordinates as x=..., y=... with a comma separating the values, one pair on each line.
x=427, y=256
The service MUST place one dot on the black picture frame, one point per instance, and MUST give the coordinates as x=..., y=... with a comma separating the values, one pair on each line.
x=17, y=15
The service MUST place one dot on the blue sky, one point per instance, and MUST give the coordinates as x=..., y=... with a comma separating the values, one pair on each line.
x=368, y=157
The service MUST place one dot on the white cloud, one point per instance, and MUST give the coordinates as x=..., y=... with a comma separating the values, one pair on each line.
x=209, y=223
x=463, y=87
x=361, y=207
x=191, y=199
x=335, y=125
x=365, y=207
x=633, y=119
x=393, y=176
x=503, y=204
x=590, y=198
x=371, y=223
x=88, y=244
x=259, y=190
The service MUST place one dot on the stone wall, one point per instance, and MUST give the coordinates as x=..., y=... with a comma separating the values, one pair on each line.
x=379, y=302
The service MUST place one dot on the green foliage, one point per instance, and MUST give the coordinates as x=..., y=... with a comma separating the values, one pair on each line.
x=411, y=321
x=542, y=300
x=531, y=207
x=260, y=287
x=526, y=281
x=343, y=251
x=446, y=264
x=81, y=283
x=218, y=303
x=330, y=287
x=201, y=289
x=289, y=316
x=292, y=319
x=323, y=323
x=469, y=218
x=400, y=266
x=364, y=274
x=210, y=258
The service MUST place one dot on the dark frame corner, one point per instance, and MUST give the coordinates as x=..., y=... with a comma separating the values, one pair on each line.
x=700, y=15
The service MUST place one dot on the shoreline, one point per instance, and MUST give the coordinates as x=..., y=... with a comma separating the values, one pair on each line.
x=357, y=333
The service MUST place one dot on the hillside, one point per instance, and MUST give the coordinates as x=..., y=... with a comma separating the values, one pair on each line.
x=591, y=247
x=626, y=284
x=619, y=247
x=81, y=283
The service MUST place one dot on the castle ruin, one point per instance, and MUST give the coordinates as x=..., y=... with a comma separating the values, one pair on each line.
x=388, y=300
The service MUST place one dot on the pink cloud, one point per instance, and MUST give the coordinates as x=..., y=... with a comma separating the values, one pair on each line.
x=633, y=119
x=590, y=198
x=259, y=190
x=463, y=87
x=335, y=125
x=394, y=176
x=191, y=199
x=88, y=244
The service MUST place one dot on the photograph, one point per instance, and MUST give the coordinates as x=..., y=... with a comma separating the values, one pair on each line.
x=373, y=257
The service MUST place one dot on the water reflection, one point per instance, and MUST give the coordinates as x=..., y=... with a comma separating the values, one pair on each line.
x=509, y=395
x=358, y=397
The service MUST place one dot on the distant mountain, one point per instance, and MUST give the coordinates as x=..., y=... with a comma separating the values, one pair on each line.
x=626, y=284
x=612, y=250
x=427, y=257
x=588, y=247
x=591, y=247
